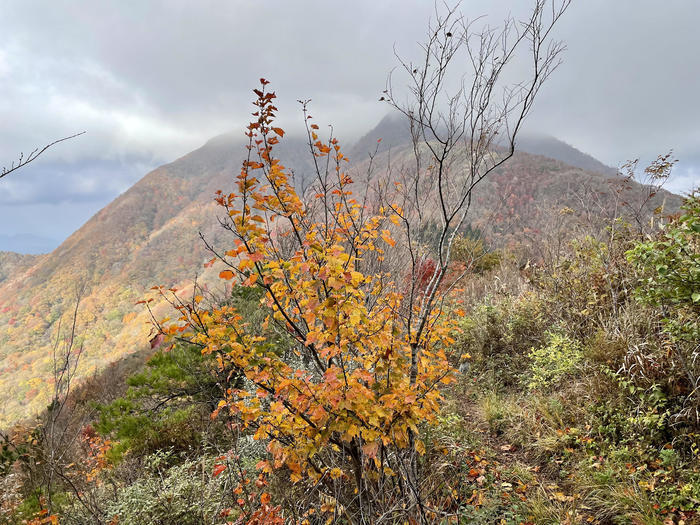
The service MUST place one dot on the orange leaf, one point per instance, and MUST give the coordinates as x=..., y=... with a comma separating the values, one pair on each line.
x=226, y=274
x=371, y=449
x=387, y=238
x=250, y=281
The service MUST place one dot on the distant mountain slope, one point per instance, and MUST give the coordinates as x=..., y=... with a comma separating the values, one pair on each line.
x=521, y=202
x=150, y=236
x=147, y=236
x=553, y=148
x=12, y=263
x=391, y=132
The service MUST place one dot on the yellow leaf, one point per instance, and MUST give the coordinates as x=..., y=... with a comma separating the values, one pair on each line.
x=246, y=264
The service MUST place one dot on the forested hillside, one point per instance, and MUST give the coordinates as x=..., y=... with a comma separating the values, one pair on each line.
x=12, y=264
x=147, y=236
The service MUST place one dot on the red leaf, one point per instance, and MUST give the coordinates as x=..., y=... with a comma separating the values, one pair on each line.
x=218, y=469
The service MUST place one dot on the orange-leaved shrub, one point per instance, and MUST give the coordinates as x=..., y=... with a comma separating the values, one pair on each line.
x=340, y=406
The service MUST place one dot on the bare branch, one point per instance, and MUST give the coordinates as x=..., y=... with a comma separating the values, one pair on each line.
x=23, y=161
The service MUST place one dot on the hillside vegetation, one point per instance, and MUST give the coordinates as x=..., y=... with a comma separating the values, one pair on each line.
x=559, y=389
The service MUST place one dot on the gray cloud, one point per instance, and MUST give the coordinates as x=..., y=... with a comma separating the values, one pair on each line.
x=152, y=80
x=86, y=180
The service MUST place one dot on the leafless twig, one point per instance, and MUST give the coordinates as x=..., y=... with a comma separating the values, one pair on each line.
x=23, y=161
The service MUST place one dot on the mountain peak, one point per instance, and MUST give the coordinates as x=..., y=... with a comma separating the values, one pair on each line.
x=393, y=130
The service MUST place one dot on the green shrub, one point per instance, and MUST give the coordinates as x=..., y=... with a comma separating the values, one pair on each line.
x=498, y=334
x=163, y=405
x=184, y=494
x=473, y=253
x=187, y=493
x=669, y=268
x=558, y=359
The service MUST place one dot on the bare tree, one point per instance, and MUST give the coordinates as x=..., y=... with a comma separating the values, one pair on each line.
x=462, y=129
x=464, y=125
x=636, y=204
x=55, y=440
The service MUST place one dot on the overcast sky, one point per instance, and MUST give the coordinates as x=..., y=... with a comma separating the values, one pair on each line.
x=151, y=80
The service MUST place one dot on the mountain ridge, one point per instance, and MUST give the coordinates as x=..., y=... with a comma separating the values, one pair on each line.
x=394, y=132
